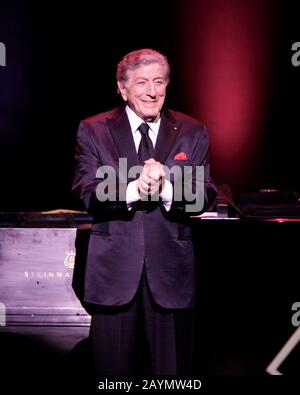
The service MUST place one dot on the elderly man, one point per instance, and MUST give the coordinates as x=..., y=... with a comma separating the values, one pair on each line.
x=140, y=270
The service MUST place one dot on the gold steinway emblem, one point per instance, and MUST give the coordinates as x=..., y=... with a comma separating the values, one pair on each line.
x=69, y=261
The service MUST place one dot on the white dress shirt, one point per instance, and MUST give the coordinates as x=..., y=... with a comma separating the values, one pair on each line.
x=132, y=194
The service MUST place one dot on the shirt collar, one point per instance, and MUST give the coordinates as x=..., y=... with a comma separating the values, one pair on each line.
x=135, y=121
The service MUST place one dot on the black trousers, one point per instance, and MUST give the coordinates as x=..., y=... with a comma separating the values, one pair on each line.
x=142, y=338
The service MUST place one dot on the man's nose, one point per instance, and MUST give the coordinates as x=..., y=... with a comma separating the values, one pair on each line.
x=151, y=89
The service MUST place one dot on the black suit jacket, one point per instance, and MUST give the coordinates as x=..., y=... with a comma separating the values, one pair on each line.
x=122, y=240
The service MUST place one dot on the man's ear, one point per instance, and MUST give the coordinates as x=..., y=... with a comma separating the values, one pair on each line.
x=122, y=90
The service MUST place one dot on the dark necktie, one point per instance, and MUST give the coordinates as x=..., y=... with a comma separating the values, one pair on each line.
x=146, y=149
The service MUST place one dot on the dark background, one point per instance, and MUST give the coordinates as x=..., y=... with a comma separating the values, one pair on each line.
x=61, y=61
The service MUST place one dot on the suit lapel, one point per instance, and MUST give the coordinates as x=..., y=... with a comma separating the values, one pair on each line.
x=120, y=130
x=122, y=136
x=168, y=132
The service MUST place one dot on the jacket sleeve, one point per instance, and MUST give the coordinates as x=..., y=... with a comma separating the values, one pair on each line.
x=91, y=186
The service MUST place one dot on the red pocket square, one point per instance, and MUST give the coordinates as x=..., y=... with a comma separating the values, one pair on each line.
x=180, y=156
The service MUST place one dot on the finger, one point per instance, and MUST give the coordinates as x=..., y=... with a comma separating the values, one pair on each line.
x=145, y=178
x=153, y=192
x=149, y=161
x=144, y=187
x=153, y=171
x=154, y=187
x=154, y=175
x=142, y=191
x=162, y=171
x=160, y=168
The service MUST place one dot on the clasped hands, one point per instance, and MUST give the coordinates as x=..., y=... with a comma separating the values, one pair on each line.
x=151, y=179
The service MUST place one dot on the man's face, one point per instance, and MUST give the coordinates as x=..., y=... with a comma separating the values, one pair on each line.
x=145, y=90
